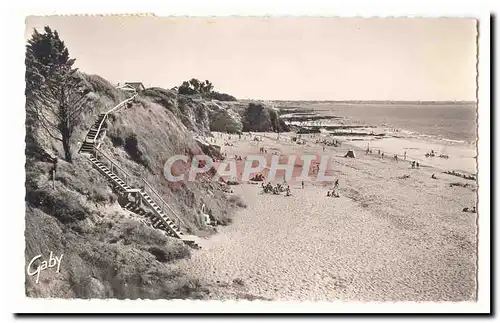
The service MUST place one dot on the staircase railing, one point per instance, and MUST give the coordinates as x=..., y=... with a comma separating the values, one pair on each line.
x=98, y=152
x=121, y=104
x=114, y=109
x=165, y=204
x=112, y=163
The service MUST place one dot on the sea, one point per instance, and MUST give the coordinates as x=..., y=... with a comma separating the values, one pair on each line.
x=448, y=129
x=453, y=122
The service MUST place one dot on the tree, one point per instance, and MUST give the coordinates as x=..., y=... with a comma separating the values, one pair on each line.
x=55, y=94
x=186, y=88
x=195, y=85
x=206, y=89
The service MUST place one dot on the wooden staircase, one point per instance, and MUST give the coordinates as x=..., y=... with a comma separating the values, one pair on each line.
x=93, y=135
x=159, y=219
x=116, y=182
x=158, y=216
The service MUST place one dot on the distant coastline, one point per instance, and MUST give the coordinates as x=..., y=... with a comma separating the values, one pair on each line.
x=372, y=102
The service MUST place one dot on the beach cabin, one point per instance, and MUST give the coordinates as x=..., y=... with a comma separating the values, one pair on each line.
x=132, y=87
x=138, y=86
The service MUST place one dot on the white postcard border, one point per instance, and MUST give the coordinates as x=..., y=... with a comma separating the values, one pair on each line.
x=13, y=120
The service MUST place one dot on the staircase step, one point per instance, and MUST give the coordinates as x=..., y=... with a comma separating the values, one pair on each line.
x=158, y=218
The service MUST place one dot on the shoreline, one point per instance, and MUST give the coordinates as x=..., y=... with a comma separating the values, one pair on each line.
x=313, y=116
x=384, y=238
x=461, y=157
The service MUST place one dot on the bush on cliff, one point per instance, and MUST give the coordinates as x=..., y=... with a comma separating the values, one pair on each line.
x=220, y=96
x=205, y=89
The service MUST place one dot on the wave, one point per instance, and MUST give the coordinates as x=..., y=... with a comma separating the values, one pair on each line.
x=417, y=135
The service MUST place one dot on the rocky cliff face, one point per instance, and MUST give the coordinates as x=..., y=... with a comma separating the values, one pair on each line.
x=259, y=117
x=108, y=251
x=224, y=118
x=204, y=115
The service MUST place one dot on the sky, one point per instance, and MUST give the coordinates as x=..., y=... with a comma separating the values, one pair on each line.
x=426, y=59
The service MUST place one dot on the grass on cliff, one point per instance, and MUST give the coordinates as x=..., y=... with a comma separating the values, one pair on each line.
x=108, y=252
x=143, y=137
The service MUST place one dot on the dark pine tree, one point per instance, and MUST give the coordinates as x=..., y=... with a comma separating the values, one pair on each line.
x=55, y=95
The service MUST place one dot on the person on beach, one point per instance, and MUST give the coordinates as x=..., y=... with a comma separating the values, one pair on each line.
x=396, y=158
x=302, y=184
x=433, y=176
x=379, y=152
x=413, y=164
x=336, y=184
x=328, y=194
x=418, y=165
x=405, y=155
x=382, y=155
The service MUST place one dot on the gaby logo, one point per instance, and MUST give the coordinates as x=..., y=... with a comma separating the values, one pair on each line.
x=291, y=168
x=53, y=261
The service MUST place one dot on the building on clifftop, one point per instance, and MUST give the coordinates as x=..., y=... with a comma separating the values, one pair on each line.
x=132, y=86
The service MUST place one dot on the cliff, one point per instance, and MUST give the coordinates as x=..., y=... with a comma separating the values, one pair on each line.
x=202, y=116
x=109, y=251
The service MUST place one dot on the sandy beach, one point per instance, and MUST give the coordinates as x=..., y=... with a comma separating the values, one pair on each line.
x=387, y=238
